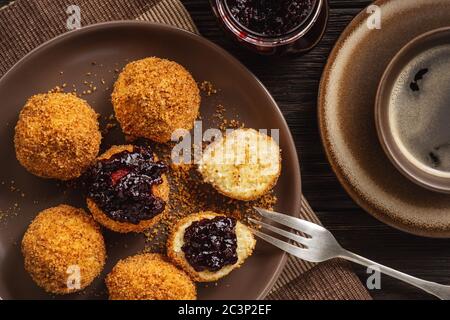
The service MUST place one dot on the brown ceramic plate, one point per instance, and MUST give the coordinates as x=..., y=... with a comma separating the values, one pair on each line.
x=346, y=115
x=110, y=45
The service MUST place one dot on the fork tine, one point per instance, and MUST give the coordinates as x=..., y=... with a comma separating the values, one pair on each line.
x=289, y=235
x=289, y=248
x=291, y=222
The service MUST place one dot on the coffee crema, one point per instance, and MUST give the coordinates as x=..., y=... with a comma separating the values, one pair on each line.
x=419, y=109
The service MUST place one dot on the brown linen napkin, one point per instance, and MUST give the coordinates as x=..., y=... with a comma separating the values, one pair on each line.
x=25, y=24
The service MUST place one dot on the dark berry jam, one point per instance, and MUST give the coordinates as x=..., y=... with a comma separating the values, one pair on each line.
x=122, y=185
x=271, y=17
x=210, y=244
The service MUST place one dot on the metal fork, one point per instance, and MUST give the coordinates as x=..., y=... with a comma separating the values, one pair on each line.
x=320, y=245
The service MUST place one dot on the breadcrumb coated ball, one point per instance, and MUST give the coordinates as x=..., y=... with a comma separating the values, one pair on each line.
x=58, y=242
x=153, y=97
x=244, y=165
x=246, y=243
x=162, y=191
x=149, y=277
x=57, y=136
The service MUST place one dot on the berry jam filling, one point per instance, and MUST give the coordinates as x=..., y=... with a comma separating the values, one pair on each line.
x=122, y=185
x=210, y=244
x=271, y=17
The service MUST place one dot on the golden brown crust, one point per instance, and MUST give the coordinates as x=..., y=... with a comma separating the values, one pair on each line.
x=149, y=277
x=57, y=136
x=58, y=238
x=161, y=191
x=177, y=256
x=204, y=167
x=247, y=198
x=153, y=97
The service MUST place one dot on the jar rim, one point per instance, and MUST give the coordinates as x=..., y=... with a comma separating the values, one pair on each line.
x=268, y=41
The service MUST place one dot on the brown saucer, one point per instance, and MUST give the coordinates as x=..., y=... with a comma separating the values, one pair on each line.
x=346, y=114
x=110, y=45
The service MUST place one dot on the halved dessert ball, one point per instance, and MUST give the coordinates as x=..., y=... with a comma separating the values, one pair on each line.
x=57, y=136
x=127, y=189
x=244, y=165
x=153, y=97
x=149, y=277
x=63, y=249
x=208, y=246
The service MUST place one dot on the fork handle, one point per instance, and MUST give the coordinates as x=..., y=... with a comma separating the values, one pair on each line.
x=436, y=289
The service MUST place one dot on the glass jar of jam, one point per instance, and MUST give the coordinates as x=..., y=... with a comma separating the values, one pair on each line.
x=273, y=26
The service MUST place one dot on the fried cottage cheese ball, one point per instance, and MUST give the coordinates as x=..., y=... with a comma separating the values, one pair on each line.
x=208, y=246
x=153, y=97
x=244, y=165
x=57, y=136
x=149, y=277
x=58, y=240
x=160, y=191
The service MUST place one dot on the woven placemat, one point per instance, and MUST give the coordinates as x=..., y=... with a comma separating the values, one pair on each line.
x=25, y=24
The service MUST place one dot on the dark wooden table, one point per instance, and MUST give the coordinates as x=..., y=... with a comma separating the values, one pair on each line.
x=293, y=82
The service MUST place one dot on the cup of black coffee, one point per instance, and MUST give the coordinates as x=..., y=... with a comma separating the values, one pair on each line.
x=413, y=110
